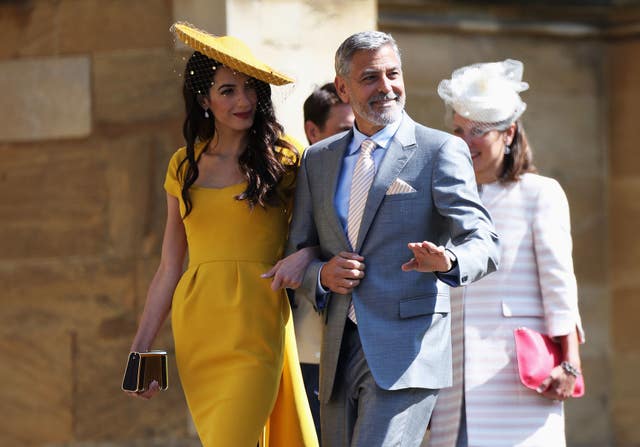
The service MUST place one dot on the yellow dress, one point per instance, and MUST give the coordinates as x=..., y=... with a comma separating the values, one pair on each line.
x=234, y=339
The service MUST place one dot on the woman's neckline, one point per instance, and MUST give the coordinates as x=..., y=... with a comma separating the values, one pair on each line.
x=221, y=188
x=199, y=150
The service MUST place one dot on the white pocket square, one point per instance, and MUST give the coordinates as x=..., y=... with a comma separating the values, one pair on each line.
x=399, y=186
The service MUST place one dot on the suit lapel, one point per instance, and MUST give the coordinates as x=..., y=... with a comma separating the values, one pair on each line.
x=400, y=151
x=331, y=171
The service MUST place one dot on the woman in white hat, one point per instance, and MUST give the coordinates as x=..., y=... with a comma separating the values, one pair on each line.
x=534, y=287
x=229, y=197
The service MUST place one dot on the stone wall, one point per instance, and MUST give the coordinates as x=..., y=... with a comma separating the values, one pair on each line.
x=624, y=209
x=301, y=39
x=581, y=64
x=92, y=113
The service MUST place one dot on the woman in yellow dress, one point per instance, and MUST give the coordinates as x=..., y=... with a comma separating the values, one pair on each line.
x=229, y=197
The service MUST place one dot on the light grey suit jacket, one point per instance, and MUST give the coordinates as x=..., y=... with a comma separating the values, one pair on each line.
x=403, y=317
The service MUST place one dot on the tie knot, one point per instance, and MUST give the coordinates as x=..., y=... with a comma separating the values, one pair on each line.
x=367, y=147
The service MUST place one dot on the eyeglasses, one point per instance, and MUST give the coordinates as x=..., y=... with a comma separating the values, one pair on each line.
x=477, y=130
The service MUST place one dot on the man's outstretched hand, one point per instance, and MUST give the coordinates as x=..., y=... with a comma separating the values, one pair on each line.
x=427, y=257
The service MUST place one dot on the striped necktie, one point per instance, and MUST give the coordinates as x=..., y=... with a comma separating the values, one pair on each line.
x=363, y=175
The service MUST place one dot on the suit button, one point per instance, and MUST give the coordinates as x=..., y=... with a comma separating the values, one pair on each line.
x=463, y=279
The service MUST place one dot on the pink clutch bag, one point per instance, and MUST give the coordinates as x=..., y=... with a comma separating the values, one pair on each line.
x=537, y=355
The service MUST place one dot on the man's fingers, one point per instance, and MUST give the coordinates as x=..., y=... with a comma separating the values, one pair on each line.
x=421, y=255
x=350, y=273
x=409, y=266
x=353, y=265
x=350, y=255
x=427, y=253
x=418, y=247
x=349, y=264
x=343, y=272
x=426, y=247
x=350, y=283
x=431, y=247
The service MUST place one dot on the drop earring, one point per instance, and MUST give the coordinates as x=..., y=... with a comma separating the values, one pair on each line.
x=507, y=148
x=206, y=113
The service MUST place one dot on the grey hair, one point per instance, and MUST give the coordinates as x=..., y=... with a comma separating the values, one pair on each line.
x=365, y=40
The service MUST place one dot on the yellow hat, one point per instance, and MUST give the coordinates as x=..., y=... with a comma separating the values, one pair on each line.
x=229, y=51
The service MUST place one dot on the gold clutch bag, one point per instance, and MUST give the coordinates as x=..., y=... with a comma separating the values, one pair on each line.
x=143, y=368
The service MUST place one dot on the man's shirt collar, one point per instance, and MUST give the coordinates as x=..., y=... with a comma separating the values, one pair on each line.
x=381, y=138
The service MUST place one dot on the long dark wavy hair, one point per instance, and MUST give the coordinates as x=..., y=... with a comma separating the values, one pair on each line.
x=263, y=162
x=520, y=159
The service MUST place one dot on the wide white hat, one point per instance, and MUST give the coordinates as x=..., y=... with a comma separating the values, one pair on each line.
x=486, y=92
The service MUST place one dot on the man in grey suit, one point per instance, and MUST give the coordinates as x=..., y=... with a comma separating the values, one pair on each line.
x=389, y=195
x=324, y=115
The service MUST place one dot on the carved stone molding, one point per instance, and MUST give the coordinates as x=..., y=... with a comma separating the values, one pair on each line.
x=585, y=19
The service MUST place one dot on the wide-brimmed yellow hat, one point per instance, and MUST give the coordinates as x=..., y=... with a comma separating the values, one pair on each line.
x=229, y=51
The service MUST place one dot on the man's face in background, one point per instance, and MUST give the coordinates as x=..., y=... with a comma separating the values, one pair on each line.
x=340, y=119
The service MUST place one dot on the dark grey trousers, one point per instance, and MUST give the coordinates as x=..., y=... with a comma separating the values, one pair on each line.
x=361, y=414
x=310, y=376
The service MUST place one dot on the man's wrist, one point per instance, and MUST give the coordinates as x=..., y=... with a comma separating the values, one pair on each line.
x=452, y=259
x=320, y=277
x=322, y=289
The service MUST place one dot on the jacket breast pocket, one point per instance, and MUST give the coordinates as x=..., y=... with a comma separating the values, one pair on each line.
x=400, y=196
x=402, y=208
x=424, y=305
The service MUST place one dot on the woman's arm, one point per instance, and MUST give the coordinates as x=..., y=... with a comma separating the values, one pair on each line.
x=163, y=284
x=553, y=247
x=288, y=272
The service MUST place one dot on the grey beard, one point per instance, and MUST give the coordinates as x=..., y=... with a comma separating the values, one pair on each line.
x=381, y=118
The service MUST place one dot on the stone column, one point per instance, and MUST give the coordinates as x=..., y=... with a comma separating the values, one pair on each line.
x=624, y=255
x=299, y=38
